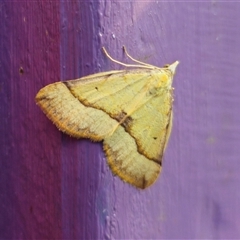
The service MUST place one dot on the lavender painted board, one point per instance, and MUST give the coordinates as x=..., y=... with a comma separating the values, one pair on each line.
x=197, y=194
x=53, y=186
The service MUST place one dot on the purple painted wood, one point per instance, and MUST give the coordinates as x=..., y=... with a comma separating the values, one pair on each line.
x=30, y=185
x=53, y=186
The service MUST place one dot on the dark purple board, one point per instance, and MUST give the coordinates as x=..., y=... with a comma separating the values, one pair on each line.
x=30, y=184
x=55, y=187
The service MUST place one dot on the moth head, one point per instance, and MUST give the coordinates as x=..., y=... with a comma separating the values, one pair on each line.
x=173, y=67
x=163, y=78
x=167, y=76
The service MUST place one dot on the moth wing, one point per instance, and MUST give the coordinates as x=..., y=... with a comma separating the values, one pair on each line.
x=150, y=125
x=112, y=91
x=119, y=93
x=125, y=160
x=71, y=116
x=85, y=107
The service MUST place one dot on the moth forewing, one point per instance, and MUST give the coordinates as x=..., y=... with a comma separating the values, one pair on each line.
x=129, y=110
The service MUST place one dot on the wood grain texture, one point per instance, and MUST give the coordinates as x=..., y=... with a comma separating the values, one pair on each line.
x=55, y=187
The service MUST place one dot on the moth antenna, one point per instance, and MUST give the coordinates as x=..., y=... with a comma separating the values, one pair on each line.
x=133, y=59
x=127, y=65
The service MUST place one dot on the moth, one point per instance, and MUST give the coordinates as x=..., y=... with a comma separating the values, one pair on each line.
x=130, y=111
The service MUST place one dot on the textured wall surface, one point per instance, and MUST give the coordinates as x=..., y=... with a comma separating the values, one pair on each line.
x=56, y=187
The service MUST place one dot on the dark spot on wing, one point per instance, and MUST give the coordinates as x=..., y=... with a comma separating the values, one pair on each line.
x=124, y=119
x=144, y=183
x=119, y=117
